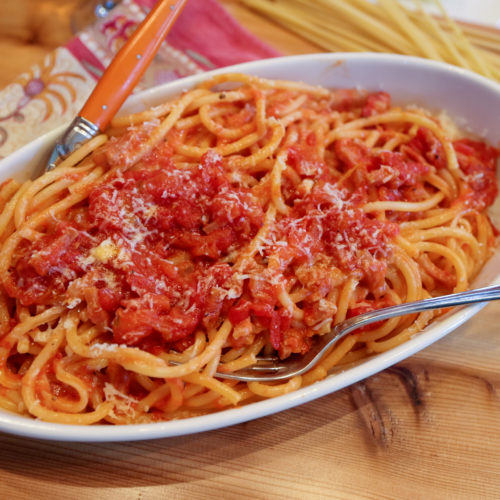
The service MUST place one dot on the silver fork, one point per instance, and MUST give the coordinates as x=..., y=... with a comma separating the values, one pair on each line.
x=268, y=369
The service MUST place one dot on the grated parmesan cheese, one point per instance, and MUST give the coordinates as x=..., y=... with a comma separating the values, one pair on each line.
x=123, y=403
x=104, y=252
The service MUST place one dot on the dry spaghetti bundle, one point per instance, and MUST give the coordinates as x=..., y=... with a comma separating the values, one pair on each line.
x=228, y=222
x=387, y=26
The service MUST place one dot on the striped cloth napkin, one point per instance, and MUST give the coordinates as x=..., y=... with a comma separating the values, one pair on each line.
x=47, y=95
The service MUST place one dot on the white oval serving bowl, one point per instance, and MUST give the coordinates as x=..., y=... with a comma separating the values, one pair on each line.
x=472, y=101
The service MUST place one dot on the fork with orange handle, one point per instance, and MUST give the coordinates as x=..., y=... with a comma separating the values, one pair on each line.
x=119, y=79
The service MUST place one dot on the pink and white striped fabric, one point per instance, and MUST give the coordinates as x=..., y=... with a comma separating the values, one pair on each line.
x=204, y=37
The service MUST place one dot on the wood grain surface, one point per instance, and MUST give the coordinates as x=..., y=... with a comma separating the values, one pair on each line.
x=427, y=428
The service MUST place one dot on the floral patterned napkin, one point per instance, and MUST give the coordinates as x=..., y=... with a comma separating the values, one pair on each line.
x=204, y=37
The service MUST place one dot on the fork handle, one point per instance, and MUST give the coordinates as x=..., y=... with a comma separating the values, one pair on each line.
x=129, y=64
x=485, y=294
x=339, y=331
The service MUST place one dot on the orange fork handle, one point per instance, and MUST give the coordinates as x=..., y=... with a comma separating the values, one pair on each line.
x=130, y=63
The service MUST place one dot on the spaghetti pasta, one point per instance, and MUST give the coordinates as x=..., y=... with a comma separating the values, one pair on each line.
x=388, y=26
x=246, y=216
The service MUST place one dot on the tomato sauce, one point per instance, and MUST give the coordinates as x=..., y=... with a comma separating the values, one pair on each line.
x=144, y=257
x=478, y=161
x=150, y=257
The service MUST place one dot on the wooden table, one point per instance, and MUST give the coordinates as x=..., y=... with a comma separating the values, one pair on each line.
x=425, y=429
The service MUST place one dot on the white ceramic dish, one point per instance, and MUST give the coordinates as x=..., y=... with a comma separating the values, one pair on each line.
x=471, y=100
